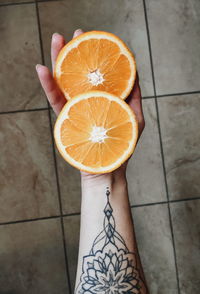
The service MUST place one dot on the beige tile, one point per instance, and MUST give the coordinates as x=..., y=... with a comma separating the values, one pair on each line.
x=145, y=172
x=72, y=229
x=180, y=125
x=175, y=40
x=155, y=247
x=69, y=181
x=124, y=18
x=186, y=224
x=70, y=186
x=27, y=176
x=32, y=258
x=20, y=52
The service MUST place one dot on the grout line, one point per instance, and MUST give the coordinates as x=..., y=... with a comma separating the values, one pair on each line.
x=29, y=220
x=149, y=45
x=184, y=199
x=78, y=213
x=148, y=204
x=55, y=162
x=24, y=110
x=26, y=2
x=172, y=94
x=165, y=202
x=71, y=214
x=161, y=145
x=174, y=248
x=39, y=33
x=147, y=97
x=178, y=94
x=60, y=206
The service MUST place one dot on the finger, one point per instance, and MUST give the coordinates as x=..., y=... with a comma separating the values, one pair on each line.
x=77, y=33
x=136, y=91
x=137, y=108
x=135, y=95
x=135, y=102
x=57, y=43
x=53, y=93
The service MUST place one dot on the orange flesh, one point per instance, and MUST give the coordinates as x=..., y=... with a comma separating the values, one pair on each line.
x=89, y=56
x=99, y=112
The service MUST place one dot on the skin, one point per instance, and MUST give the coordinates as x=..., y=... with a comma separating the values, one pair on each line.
x=94, y=186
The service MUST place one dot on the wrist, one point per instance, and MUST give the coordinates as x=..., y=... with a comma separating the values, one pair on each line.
x=98, y=183
x=114, y=178
x=94, y=189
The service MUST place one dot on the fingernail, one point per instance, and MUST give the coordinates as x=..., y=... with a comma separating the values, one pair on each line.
x=38, y=66
x=55, y=35
x=78, y=32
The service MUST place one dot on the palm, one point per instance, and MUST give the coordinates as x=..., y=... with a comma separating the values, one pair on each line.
x=57, y=99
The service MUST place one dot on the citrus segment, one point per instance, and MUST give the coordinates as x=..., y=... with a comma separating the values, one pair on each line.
x=95, y=61
x=96, y=132
x=123, y=131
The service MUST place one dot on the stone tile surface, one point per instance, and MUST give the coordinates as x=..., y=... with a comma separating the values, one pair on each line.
x=70, y=186
x=70, y=182
x=124, y=18
x=175, y=40
x=32, y=258
x=27, y=176
x=145, y=172
x=186, y=224
x=180, y=125
x=20, y=52
x=72, y=230
x=155, y=246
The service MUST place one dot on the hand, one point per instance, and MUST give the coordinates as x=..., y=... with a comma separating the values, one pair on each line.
x=57, y=99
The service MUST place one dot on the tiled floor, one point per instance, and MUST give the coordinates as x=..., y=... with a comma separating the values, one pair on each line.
x=40, y=193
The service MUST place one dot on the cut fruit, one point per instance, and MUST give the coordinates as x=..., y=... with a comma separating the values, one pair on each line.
x=96, y=132
x=95, y=61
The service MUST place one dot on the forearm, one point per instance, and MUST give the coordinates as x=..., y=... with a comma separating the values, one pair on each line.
x=107, y=228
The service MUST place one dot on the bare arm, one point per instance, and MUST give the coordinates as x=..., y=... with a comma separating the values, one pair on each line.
x=109, y=261
x=108, y=257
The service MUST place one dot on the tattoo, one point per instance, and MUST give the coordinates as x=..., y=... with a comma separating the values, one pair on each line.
x=109, y=268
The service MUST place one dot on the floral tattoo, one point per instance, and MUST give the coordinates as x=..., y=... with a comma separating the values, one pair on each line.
x=109, y=268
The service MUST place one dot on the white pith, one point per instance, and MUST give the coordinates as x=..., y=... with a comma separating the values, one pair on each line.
x=109, y=37
x=95, y=77
x=98, y=134
x=64, y=114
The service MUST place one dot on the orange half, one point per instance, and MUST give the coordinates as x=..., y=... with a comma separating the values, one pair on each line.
x=96, y=132
x=95, y=61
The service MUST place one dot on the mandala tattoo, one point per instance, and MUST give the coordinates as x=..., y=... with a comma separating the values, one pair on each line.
x=109, y=268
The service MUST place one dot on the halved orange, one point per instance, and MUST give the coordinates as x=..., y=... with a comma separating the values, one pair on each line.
x=95, y=61
x=96, y=132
